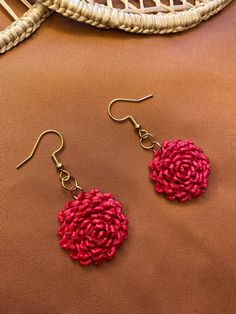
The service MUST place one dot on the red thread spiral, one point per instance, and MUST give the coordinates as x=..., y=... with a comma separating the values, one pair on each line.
x=92, y=227
x=180, y=170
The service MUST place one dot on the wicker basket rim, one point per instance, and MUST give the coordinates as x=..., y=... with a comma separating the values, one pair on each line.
x=23, y=27
x=106, y=17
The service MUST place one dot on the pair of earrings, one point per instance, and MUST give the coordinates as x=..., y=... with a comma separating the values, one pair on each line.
x=93, y=225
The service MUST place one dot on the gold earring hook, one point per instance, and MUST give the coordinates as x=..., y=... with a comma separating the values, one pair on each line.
x=58, y=164
x=146, y=139
x=68, y=182
x=131, y=118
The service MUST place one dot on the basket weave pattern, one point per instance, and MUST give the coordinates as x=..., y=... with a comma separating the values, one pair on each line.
x=141, y=16
x=23, y=27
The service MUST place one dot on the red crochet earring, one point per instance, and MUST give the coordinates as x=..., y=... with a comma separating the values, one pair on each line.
x=92, y=226
x=179, y=168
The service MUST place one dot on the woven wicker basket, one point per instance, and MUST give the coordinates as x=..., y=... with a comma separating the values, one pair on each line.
x=139, y=16
x=22, y=27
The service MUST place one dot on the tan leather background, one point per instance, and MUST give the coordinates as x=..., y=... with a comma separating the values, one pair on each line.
x=179, y=258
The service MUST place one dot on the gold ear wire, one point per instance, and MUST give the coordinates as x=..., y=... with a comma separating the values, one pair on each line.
x=58, y=164
x=131, y=118
x=68, y=182
x=146, y=139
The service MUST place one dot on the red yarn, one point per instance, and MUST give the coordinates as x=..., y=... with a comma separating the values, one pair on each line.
x=93, y=227
x=180, y=170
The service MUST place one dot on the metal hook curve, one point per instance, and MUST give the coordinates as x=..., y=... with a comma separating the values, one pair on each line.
x=58, y=164
x=131, y=118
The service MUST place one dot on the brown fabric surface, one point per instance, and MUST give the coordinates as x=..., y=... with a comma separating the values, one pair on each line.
x=179, y=258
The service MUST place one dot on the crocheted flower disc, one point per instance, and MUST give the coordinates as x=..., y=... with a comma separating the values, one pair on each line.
x=92, y=227
x=180, y=170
